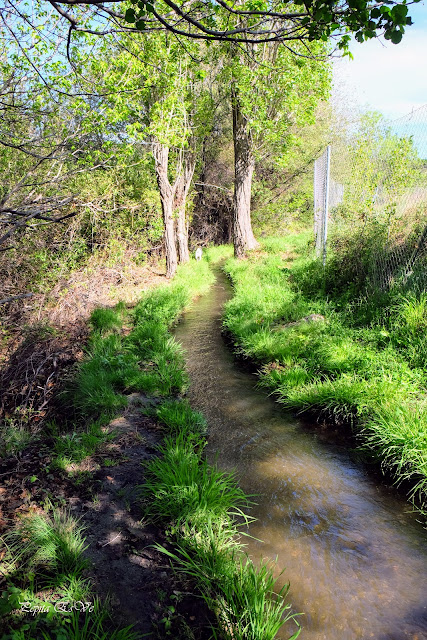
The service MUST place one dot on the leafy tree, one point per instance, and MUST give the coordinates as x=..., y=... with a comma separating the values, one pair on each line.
x=256, y=32
x=166, y=107
x=272, y=90
x=43, y=146
x=377, y=169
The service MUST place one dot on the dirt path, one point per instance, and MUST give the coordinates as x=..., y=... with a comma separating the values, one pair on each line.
x=138, y=580
x=125, y=568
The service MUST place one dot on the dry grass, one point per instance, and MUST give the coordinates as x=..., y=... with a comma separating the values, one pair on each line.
x=43, y=336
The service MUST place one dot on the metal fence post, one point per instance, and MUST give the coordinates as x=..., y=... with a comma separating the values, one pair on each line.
x=326, y=203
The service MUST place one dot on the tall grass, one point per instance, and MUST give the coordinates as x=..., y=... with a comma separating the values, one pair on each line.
x=363, y=365
x=205, y=510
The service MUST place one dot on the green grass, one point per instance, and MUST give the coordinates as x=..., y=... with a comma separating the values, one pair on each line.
x=107, y=319
x=48, y=544
x=181, y=486
x=44, y=567
x=148, y=359
x=180, y=418
x=205, y=509
x=75, y=446
x=15, y=436
x=365, y=365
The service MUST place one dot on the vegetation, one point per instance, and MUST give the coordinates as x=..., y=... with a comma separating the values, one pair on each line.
x=130, y=134
x=44, y=555
x=86, y=108
x=199, y=505
x=356, y=361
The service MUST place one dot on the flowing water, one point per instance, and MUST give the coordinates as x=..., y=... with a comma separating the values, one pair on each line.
x=355, y=558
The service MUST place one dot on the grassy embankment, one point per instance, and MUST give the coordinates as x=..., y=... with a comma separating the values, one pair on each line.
x=196, y=503
x=364, y=366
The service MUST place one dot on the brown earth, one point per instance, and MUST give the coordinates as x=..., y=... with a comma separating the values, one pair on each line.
x=138, y=580
x=42, y=337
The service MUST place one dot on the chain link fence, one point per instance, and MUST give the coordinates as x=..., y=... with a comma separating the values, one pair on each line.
x=370, y=187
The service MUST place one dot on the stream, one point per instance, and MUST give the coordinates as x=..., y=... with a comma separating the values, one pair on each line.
x=355, y=556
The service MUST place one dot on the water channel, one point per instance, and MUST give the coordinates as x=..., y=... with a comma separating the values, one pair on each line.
x=354, y=555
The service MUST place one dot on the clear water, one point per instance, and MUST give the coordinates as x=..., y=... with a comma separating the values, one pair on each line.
x=355, y=557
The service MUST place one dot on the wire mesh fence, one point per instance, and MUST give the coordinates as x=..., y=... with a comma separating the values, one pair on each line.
x=370, y=187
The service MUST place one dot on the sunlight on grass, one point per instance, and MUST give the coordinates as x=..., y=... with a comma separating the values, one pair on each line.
x=364, y=366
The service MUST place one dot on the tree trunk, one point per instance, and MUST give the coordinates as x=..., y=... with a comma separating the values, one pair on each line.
x=244, y=164
x=182, y=187
x=161, y=157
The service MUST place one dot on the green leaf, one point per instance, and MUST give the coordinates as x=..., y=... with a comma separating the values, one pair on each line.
x=130, y=15
x=399, y=12
x=396, y=37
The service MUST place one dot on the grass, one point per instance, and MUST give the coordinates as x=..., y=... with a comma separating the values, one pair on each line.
x=73, y=447
x=364, y=364
x=202, y=508
x=182, y=486
x=147, y=359
x=44, y=567
x=15, y=437
x=52, y=543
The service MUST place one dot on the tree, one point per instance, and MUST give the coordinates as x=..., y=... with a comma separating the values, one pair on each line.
x=251, y=27
x=43, y=146
x=166, y=108
x=377, y=167
x=272, y=90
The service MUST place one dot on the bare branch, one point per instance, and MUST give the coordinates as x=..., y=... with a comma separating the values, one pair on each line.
x=18, y=297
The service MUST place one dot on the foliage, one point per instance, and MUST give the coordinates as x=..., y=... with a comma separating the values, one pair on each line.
x=48, y=544
x=44, y=564
x=278, y=92
x=289, y=20
x=282, y=194
x=183, y=487
x=377, y=168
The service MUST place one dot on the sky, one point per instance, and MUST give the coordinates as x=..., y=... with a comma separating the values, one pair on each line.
x=386, y=77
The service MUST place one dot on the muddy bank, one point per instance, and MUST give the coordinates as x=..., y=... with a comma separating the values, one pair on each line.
x=125, y=569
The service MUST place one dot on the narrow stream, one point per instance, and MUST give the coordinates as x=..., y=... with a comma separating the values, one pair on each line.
x=355, y=557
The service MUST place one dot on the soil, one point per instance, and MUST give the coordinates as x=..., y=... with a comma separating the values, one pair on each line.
x=42, y=337
x=138, y=580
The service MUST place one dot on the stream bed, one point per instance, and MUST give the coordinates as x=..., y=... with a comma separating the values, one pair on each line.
x=356, y=558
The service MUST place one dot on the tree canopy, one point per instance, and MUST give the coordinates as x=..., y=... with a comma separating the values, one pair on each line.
x=251, y=21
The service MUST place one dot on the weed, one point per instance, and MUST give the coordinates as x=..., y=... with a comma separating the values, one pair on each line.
x=181, y=486
x=178, y=416
x=104, y=319
x=50, y=544
x=14, y=438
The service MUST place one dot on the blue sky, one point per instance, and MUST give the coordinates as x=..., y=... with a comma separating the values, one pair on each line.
x=386, y=77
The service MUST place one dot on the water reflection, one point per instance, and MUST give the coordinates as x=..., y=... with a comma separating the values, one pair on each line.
x=355, y=558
